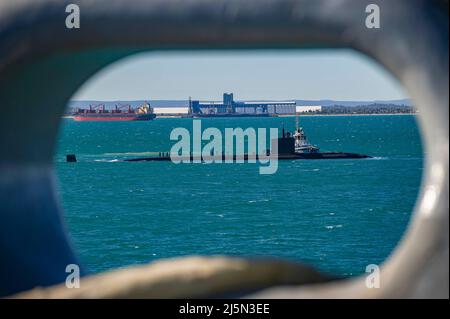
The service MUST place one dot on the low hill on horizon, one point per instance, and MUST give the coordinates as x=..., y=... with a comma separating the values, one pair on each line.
x=178, y=103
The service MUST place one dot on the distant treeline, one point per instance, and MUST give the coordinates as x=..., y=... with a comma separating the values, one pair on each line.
x=374, y=108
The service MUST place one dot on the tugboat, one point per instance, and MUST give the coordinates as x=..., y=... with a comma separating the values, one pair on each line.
x=304, y=150
x=301, y=144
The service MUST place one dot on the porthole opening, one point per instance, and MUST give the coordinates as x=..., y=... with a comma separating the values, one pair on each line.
x=339, y=215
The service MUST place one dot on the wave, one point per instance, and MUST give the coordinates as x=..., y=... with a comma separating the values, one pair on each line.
x=378, y=158
x=333, y=226
x=107, y=160
x=131, y=154
x=258, y=201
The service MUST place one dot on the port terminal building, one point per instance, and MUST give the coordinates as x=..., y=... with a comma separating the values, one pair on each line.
x=228, y=106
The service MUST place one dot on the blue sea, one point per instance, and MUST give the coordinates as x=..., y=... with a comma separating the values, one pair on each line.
x=338, y=215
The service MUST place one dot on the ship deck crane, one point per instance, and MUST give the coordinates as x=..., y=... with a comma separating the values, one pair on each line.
x=98, y=107
x=119, y=108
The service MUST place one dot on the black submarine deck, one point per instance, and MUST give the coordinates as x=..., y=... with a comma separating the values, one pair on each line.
x=285, y=148
x=246, y=157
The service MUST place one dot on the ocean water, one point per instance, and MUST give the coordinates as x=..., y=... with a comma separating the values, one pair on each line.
x=338, y=215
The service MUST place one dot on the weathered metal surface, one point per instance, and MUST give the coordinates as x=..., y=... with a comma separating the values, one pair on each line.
x=42, y=63
x=195, y=277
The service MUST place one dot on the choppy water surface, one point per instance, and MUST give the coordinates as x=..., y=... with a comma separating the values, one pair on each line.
x=339, y=215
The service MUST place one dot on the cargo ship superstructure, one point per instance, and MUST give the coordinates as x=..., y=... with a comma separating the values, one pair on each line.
x=119, y=113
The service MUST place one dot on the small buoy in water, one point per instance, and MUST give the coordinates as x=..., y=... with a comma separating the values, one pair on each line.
x=71, y=158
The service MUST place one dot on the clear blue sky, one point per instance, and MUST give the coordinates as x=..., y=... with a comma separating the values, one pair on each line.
x=205, y=75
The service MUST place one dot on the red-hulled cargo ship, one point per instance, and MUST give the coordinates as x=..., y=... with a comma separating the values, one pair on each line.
x=120, y=113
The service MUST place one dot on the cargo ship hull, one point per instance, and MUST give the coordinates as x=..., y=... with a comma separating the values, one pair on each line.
x=113, y=117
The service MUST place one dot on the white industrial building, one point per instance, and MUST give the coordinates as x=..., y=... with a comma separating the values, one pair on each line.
x=284, y=107
x=182, y=110
x=308, y=108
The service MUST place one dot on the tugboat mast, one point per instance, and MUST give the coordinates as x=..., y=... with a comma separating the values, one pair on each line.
x=301, y=143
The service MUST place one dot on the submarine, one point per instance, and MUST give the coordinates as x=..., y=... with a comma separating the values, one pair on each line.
x=290, y=147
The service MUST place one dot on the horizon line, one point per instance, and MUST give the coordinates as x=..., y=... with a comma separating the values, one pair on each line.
x=287, y=99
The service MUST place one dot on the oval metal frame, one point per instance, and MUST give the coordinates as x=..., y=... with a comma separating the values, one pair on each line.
x=42, y=64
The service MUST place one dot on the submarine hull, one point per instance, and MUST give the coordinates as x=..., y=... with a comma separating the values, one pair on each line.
x=246, y=157
x=330, y=155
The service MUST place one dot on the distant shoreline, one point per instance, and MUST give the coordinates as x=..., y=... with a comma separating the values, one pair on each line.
x=290, y=115
x=374, y=114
